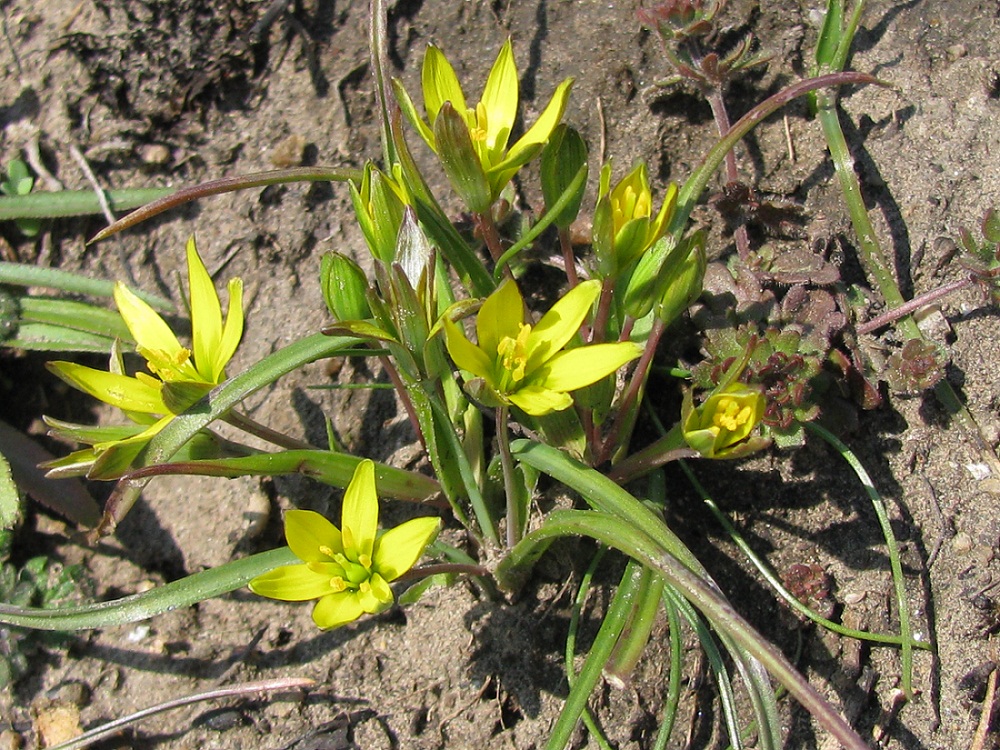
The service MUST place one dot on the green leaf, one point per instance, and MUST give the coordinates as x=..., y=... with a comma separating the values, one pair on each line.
x=10, y=500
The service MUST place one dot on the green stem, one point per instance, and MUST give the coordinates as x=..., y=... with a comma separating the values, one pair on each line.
x=213, y=406
x=899, y=584
x=670, y=447
x=575, y=185
x=253, y=427
x=872, y=256
x=183, y=593
x=877, y=264
x=673, y=699
x=611, y=628
x=229, y=185
x=23, y=274
x=62, y=203
x=634, y=541
x=574, y=626
x=775, y=582
x=515, y=518
x=620, y=432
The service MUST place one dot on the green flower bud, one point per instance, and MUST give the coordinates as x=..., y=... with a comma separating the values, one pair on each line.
x=562, y=158
x=683, y=285
x=379, y=205
x=345, y=287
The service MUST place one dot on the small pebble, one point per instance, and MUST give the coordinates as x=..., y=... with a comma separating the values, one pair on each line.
x=73, y=692
x=956, y=51
x=961, y=543
x=11, y=740
x=154, y=154
x=289, y=153
x=56, y=723
x=855, y=597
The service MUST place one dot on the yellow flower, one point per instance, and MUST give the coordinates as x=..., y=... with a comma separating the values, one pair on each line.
x=624, y=224
x=721, y=427
x=524, y=365
x=348, y=569
x=486, y=127
x=177, y=376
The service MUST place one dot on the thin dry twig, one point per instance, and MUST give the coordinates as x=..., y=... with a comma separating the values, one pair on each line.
x=102, y=197
x=248, y=688
x=979, y=738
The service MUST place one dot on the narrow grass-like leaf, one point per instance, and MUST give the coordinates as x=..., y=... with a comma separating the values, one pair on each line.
x=335, y=469
x=181, y=593
x=42, y=205
x=23, y=274
x=213, y=406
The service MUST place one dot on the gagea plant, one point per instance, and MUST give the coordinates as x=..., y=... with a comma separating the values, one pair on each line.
x=502, y=390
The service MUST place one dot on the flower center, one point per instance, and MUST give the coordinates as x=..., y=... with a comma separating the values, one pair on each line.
x=168, y=366
x=630, y=204
x=480, y=129
x=730, y=416
x=513, y=353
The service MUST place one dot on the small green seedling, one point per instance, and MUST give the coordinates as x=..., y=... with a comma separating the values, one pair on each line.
x=19, y=181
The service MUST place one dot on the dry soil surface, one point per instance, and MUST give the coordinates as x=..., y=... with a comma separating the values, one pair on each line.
x=156, y=94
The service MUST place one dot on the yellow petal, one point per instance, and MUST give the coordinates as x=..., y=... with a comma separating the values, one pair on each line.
x=122, y=391
x=334, y=610
x=576, y=368
x=360, y=515
x=465, y=354
x=232, y=332
x=539, y=401
x=558, y=326
x=440, y=84
x=531, y=142
x=291, y=583
x=206, y=314
x=375, y=596
x=148, y=329
x=410, y=113
x=399, y=548
x=659, y=226
x=308, y=532
x=500, y=101
x=500, y=317
x=381, y=591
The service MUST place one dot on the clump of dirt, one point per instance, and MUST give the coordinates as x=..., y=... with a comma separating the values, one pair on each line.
x=223, y=88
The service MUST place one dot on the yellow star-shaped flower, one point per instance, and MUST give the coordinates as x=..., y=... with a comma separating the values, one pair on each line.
x=526, y=365
x=177, y=376
x=348, y=570
x=473, y=141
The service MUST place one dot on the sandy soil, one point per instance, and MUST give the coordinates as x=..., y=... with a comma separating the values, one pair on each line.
x=170, y=94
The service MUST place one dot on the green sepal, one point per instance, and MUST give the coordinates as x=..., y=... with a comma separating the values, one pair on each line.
x=563, y=156
x=683, y=285
x=460, y=160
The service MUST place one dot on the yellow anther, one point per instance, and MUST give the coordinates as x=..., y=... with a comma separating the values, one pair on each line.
x=730, y=416
x=513, y=353
x=338, y=584
x=324, y=550
x=480, y=130
x=365, y=560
